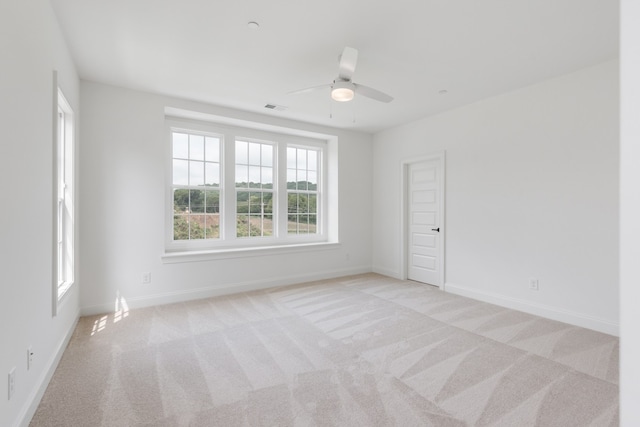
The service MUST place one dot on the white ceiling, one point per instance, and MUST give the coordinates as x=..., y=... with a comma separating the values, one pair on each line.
x=411, y=49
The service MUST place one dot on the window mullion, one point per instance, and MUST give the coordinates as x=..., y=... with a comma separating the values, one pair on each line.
x=281, y=193
x=229, y=188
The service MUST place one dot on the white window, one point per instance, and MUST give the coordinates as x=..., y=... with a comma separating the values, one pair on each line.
x=235, y=187
x=64, y=197
x=196, y=186
x=302, y=189
x=254, y=189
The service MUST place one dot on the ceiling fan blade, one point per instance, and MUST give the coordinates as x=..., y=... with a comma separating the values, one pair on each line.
x=348, y=61
x=307, y=90
x=372, y=93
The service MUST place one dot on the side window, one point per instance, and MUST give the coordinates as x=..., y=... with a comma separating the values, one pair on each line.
x=64, y=171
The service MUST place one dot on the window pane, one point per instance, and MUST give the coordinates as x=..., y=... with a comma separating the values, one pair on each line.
x=303, y=224
x=302, y=180
x=267, y=155
x=313, y=160
x=212, y=174
x=254, y=176
x=303, y=203
x=242, y=226
x=291, y=179
x=196, y=201
x=180, y=172
x=180, y=227
x=302, y=159
x=242, y=176
x=313, y=204
x=196, y=226
x=180, y=145
x=212, y=201
x=212, y=149
x=196, y=147
x=255, y=225
x=312, y=178
x=242, y=153
x=291, y=158
x=212, y=227
x=313, y=228
x=293, y=203
x=255, y=203
x=180, y=201
x=254, y=153
x=267, y=178
x=267, y=228
x=196, y=173
x=267, y=199
x=242, y=202
x=292, y=224
x=254, y=213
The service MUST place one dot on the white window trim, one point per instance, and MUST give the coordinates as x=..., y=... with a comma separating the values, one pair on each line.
x=63, y=145
x=230, y=245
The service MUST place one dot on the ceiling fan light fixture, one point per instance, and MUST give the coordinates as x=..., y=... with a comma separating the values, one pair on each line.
x=342, y=91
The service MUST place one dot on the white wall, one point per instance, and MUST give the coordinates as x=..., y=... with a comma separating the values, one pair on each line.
x=31, y=47
x=123, y=203
x=629, y=214
x=554, y=216
x=532, y=191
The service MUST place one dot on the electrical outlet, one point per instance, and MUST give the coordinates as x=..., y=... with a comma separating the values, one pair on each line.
x=146, y=278
x=12, y=382
x=29, y=358
x=533, y=284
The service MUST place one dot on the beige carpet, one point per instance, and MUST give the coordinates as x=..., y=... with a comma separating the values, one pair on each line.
x=363, y=350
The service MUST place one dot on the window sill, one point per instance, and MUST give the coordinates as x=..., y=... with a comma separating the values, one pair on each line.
x=230, y=253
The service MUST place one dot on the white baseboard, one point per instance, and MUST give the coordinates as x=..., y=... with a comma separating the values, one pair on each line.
x=386, y=272
x=550, y=312
x=34, y=398
x=218, y=290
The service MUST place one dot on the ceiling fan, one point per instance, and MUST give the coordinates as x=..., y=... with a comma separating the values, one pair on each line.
x=343, y=88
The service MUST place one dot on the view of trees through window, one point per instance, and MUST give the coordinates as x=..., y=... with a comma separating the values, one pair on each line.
x=302, y=190
x=196, y=186
x=196, y=214
x=254, y=189
x=197, y=190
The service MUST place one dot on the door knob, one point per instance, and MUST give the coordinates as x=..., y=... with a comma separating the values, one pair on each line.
x=436, y=229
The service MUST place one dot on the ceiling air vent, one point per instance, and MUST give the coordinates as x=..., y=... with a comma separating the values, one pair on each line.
x=275, y=107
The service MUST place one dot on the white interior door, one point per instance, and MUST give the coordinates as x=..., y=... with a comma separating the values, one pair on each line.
x=425, y=186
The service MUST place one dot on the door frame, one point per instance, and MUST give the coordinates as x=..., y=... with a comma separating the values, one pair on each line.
x=440, y=156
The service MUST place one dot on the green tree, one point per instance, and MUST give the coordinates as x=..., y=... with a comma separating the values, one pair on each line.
x=195, y=230
x=180, y=201
x=180, y=227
